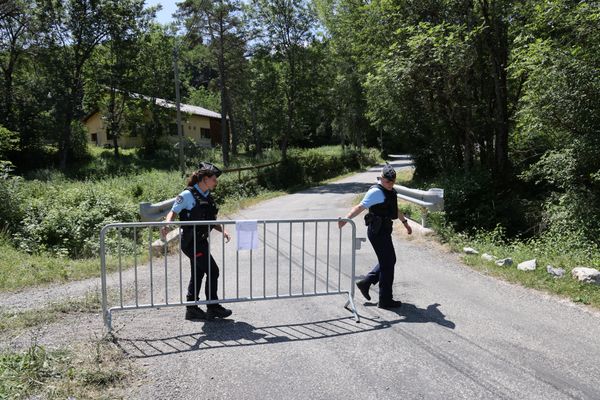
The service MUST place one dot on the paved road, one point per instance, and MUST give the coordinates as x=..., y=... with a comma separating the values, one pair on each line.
x=460, y=334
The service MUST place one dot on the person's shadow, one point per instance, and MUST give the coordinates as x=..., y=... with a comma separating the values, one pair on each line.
x=414, y=314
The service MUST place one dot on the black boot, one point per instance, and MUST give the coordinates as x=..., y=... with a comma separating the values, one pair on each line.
x=217, y=311
x=194, y=313
x=363, y=286
x=388, y=304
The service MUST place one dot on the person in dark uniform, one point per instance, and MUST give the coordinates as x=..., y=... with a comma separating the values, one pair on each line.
x=382, y=202
x=195, y=203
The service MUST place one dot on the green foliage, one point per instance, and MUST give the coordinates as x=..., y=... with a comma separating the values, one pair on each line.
x=66, y=221
x=305, y=167
x=9, y=142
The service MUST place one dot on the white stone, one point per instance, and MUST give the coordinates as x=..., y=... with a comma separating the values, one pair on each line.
x=505, y=262
x=529, y=265
x=470, y=250
x=488, y=257
x=584, y=274
x=557, y=272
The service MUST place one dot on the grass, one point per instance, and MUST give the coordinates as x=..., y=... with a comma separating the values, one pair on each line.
x=94, y=370
x=20, y=270
x=552, y=249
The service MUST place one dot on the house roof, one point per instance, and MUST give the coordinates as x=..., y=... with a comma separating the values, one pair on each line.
x=185, y=108
x=188, y=108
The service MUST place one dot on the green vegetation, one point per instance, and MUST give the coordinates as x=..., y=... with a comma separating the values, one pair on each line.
x=560, y=250
x=90, y=371
x=56, y=237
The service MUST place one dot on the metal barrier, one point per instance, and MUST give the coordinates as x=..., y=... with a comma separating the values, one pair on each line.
x=295, y=258
x=428, y=200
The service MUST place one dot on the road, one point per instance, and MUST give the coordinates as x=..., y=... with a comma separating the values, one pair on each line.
x=459, y=335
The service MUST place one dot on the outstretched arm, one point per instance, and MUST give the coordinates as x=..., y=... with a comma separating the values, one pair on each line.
x=357, y=209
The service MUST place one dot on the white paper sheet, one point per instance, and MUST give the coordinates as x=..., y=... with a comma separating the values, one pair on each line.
x=247, y=235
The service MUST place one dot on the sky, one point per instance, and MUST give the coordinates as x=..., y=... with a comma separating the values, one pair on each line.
x=169, y=7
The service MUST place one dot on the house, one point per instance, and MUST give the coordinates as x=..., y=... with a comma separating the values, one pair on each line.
x=199, y=124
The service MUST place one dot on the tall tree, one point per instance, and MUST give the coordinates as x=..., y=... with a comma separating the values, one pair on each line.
x=70, y=30
x=15, y=36
x=285, y=27
x=217, y=23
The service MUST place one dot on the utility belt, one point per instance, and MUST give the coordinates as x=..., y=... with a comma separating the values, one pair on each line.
x=375, y=223
x=187, y=234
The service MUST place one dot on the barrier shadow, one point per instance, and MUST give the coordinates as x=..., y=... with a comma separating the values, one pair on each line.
x=230, y=333
x=414, y=314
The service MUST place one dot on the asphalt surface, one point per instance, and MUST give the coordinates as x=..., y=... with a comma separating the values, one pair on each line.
x=459, y=335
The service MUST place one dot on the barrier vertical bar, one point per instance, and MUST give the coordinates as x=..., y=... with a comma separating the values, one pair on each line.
x=166, y=269
x=328, y=237
x=195, y=294
x=120, y=269
x=277, y=264
x=135, y=270
x=250, y=273
x=303, y=236
x=340, y=263
x=223, y=261
x=209, y=255
x=237, y=273
x=180, y=269
x=290, y=276
x=151, y=266
x=264, y=259
x=316, y=251
x=105, y=312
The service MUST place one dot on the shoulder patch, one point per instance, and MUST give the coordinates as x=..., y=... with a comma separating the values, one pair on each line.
x=179, y=199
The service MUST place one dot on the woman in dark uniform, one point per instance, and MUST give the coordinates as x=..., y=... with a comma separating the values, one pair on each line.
x=195, y=203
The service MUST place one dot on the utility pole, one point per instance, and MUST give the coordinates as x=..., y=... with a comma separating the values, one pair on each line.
x=178, y=104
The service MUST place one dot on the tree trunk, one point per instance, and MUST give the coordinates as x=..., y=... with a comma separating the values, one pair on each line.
x=497, y=38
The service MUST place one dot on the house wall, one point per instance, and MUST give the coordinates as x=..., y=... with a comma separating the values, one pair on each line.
x=201, y=129
x=97, y=134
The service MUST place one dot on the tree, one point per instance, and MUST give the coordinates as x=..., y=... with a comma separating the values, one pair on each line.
x=284, y=27
x=69, y=31
x=217, y=23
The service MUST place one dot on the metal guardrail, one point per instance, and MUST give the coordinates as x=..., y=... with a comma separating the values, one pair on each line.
x=318, y=262
x=428, y=200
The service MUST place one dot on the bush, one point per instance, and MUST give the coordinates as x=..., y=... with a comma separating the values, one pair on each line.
x=67, y=221
x=305, y=167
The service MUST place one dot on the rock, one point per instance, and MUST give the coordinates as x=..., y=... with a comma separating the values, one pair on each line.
x=488, y=257
x=470, y=250
x=584, y=274
x=505, y=262
x=529, y=265
x=557, y=272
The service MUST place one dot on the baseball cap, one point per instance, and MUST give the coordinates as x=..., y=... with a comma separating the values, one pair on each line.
x=388, y=172
x=210, y=168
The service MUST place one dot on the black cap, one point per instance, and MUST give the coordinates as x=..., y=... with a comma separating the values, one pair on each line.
x=388, y=172
x=210, y=168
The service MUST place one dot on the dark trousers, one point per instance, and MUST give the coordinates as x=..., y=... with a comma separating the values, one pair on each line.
x=199, y=266
x=383, y=271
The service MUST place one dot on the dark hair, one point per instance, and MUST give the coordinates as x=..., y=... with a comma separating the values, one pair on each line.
x=197, y=176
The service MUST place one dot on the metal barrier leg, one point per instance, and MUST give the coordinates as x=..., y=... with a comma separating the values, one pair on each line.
x=352, y=308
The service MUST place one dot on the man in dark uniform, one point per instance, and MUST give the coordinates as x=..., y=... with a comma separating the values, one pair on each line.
x=382, y=202
x=195, y=203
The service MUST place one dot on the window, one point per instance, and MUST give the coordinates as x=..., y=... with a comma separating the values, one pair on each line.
x=205, y=133
x=95, y=138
